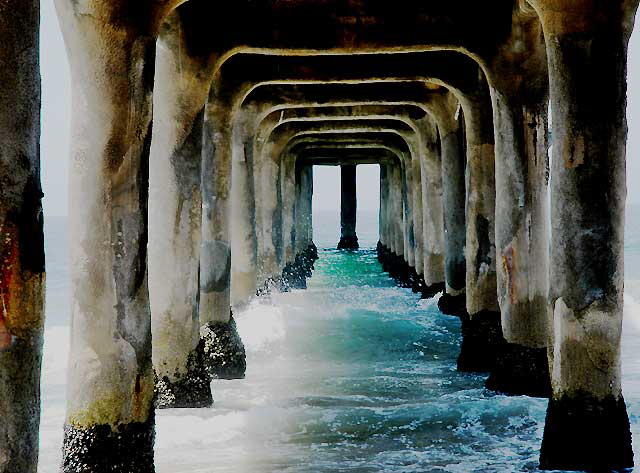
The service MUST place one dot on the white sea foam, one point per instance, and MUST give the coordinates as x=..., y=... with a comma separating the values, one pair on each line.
x=261, y=325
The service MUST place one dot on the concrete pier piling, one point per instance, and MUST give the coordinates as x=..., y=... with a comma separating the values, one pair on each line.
x=453, y=300
x=348, y=209
x=223, y=347
x=587, y=426
x=175, y=214
x=110, y=386
x=22, y=265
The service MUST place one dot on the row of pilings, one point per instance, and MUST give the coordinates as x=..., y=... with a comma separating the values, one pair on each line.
x=195, y=129
x=514, y=370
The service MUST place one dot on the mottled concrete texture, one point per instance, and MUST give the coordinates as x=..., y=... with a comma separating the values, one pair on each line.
x=22, y=263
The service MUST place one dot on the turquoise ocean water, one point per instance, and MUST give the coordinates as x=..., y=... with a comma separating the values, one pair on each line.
x=351, y=375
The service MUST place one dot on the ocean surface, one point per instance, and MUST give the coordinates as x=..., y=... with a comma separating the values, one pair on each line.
x=351, y=375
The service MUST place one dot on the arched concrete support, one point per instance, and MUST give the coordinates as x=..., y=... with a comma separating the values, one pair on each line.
x=22, y=270
x=401, y=269
x=365, y=153
x=345, y=150
x=111, y=383
x=450, y=69
x=409, y=114
x=428, y=237
x=243, y=72
x=371, y=151
x=310, y=150
x=354, y=153
x=587, y=426
x=339, y=154
x=181, y=88
x=273, y=150
x=483, y=330
x=303, y=99
x=430, y=266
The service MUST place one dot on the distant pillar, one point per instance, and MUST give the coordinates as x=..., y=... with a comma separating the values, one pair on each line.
x=22, y=272
x=396, y=210
x=301, y=192
x=383, y=224
x=418, y=219
x=587, y=426
x=308, y=185
x=453, y=175
x=406, y=180
x=348, y=209
x=244, y=241
x=291, y=273
x=270, y=212
x=433, y=221
x=288, y=182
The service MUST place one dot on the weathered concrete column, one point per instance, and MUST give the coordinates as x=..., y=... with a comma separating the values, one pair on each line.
x=270, y=204
x=481, y=329
x=348, y=209
x=406, y=180
x=300, y=223
x=300, y=268
x=22, y=272
x=223, y=347
x=288, y=180
x=587, y=427
x=433, y=222
x=307, y=201
x=518, y=78
x=181, y=88
x=416, y=190
x=110, y=416
x=307, y=252
x=383, y=223
x=452, y=145
x=292, y=274
x=396, y=210
x=244, y=239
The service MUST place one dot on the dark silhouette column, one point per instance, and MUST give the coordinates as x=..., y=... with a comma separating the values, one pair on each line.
x=22, y=274
x=348, y=209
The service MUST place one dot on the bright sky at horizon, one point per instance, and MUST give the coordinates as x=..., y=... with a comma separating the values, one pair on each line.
x=56, y=130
